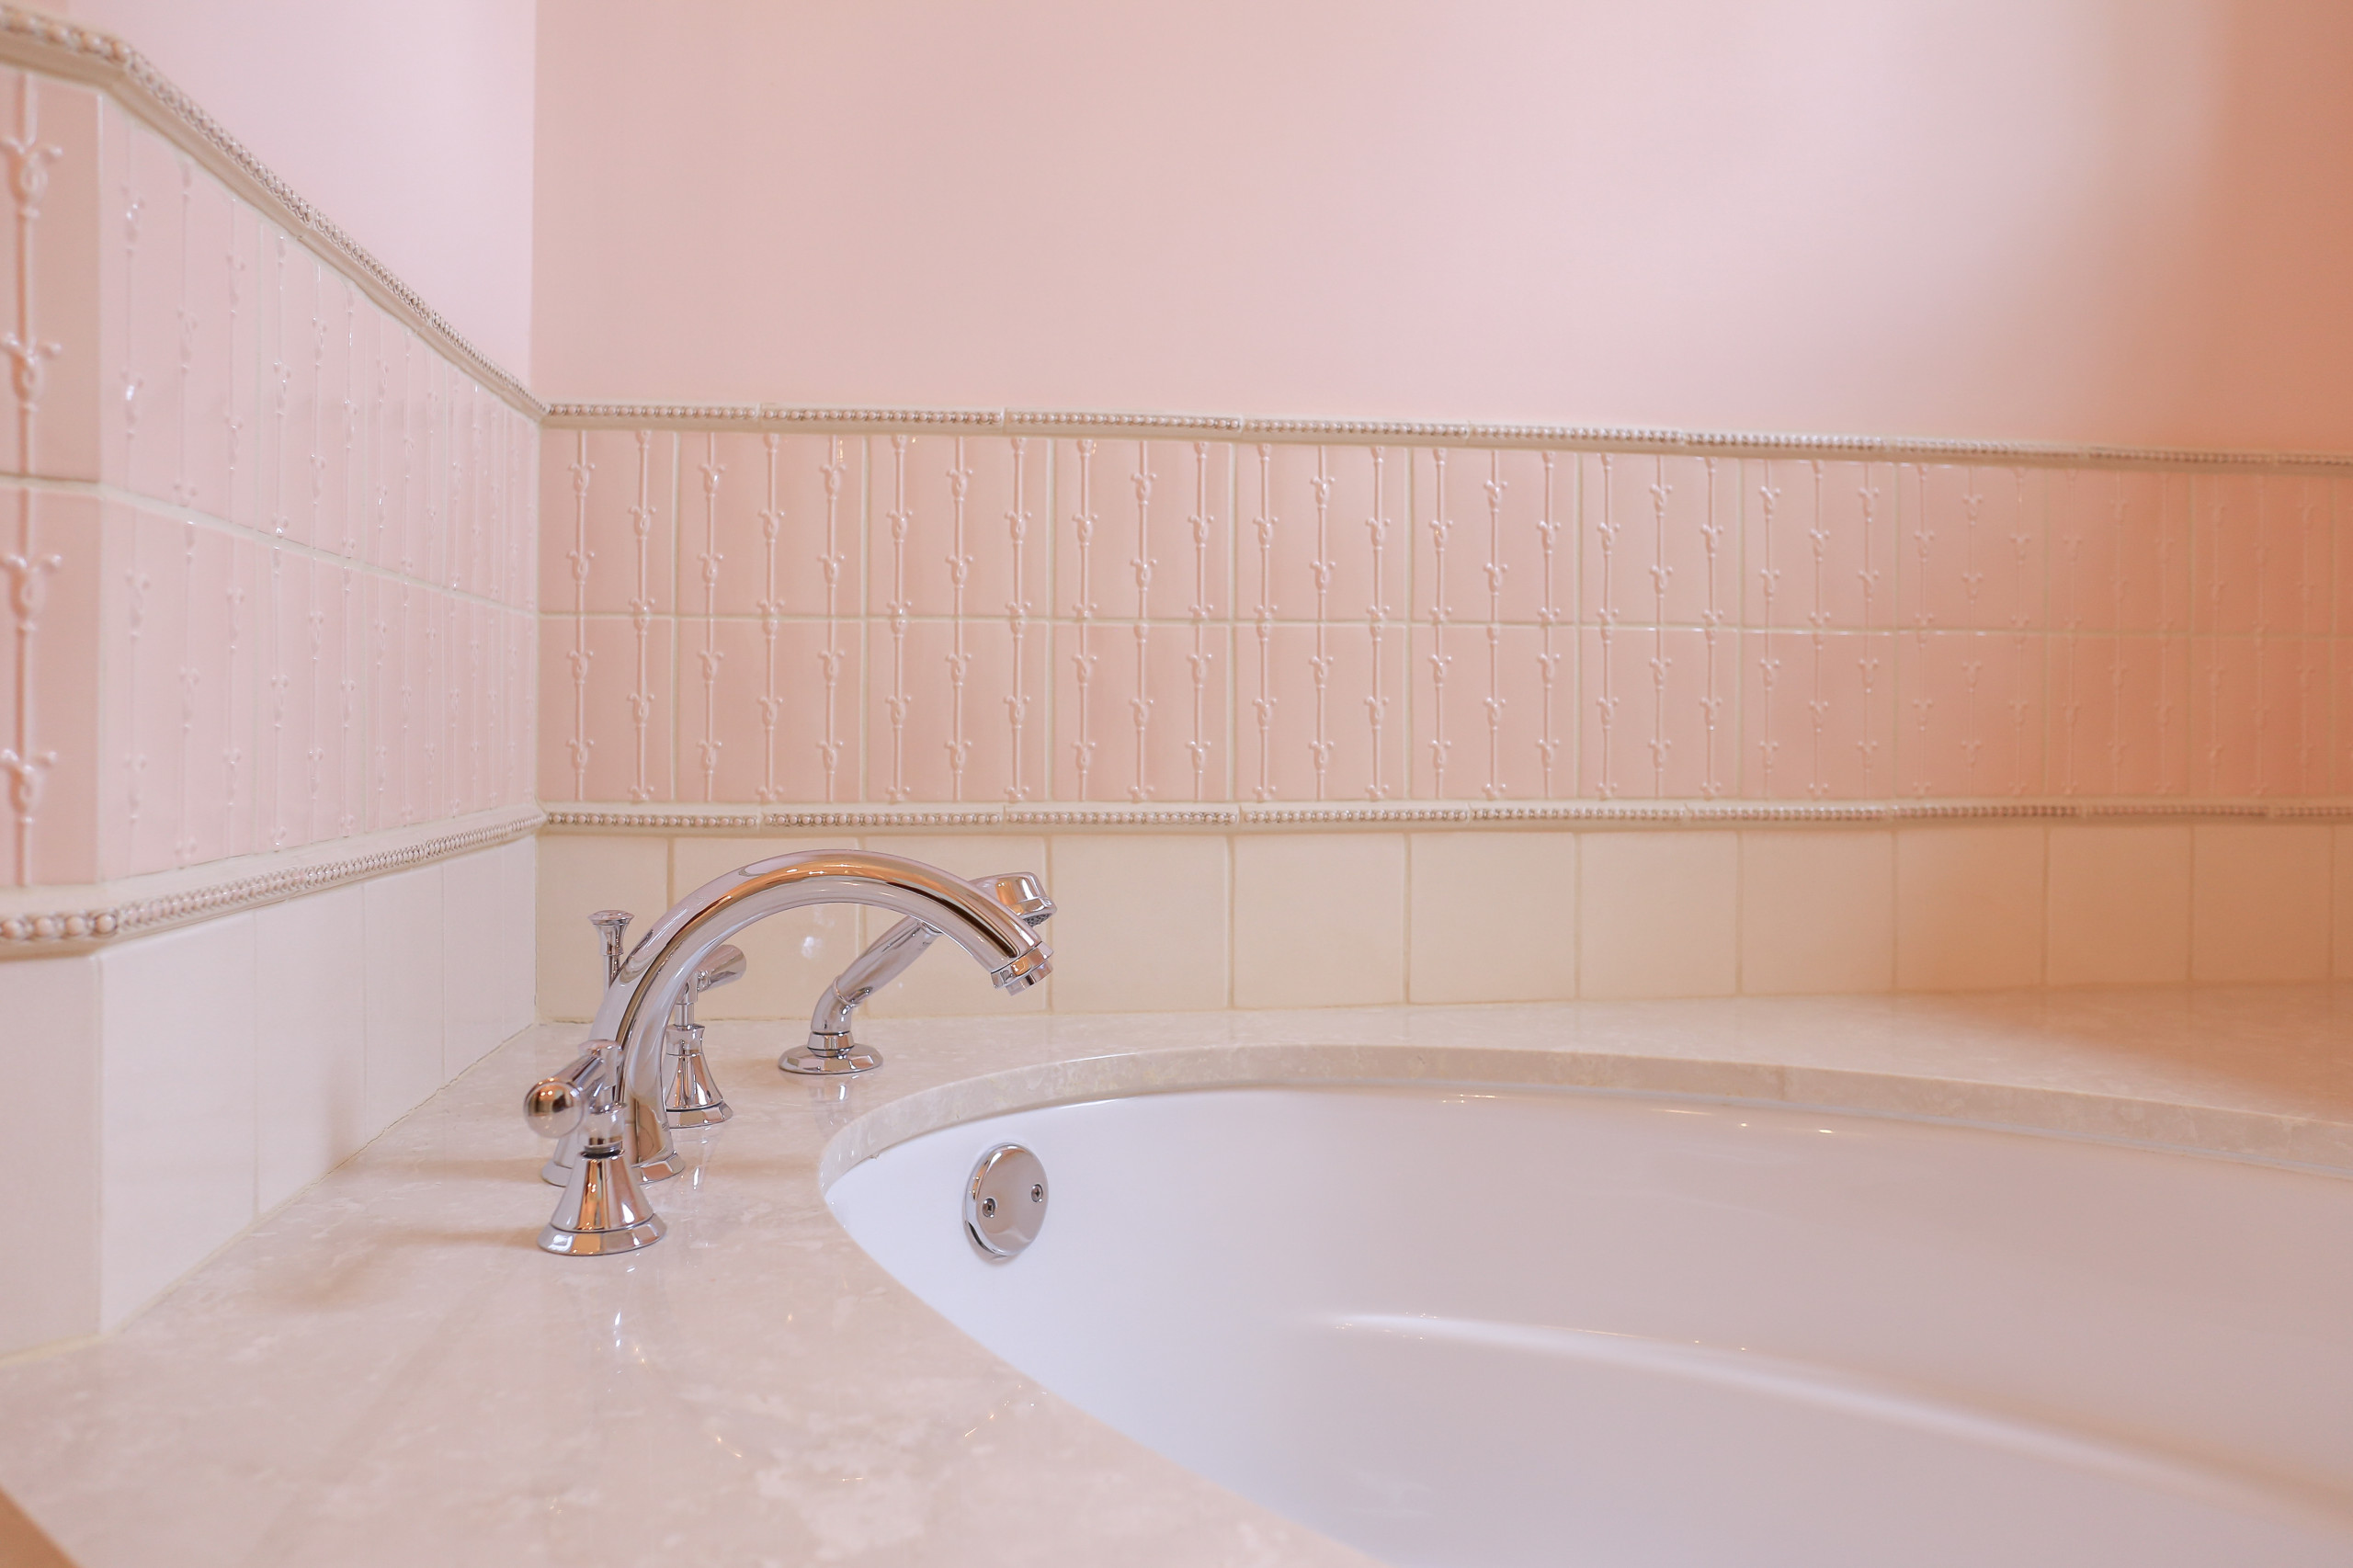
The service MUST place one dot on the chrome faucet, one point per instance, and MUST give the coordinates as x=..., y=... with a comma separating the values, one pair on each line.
x=606, y=1107
x=830, y=1049
x=692, y=1099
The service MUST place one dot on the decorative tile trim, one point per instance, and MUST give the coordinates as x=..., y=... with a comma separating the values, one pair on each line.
x=1663, y=440
x=42, y=922
x=38, y=42
x=1382, y=817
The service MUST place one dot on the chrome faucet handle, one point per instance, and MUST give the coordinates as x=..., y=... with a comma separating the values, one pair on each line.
x=611, y=922
x=690, y=1096
x=602, y=1210
x=831, y=1051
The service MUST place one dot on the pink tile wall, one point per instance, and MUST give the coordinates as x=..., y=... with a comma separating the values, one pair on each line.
x=300, y=604
x=858, y=615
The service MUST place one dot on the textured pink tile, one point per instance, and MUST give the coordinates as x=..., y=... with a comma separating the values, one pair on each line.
x=1166, y=503
x=244, y=635
x=416, y=704
x=385, y=658
x=206, y=344
x=1819, y=547
x=1306, y=539
x=1972, y=556
x=58, y=313
x=522, y=648
x=1361, y=751
x=1970, y=709
x=151, y=640
x=461, y=469
x=2227, y=528
x=610, y=543
x=2120, y=550
x=338, y=523
x=628, y=709
x=1818, y=715
x=1656, y=713
x=2298, y=554
x=338, y=722
x=1660, y=542
x=2119, y=716
x=208, y=670
x=2263, y=555
x=2259, y=716
x=942, y=529
x=1499, y=504
x=145, y=317
x=290, y=702
x=766, y=725
x=392, y=449
x=1486, y=702
x=1175, y=749
x=2342, y=769
x=782, y=519
x=57, y=737
x=237, y=392
x=289, y=386
x=940, y=721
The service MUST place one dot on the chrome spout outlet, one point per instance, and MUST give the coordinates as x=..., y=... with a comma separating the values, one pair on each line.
x=638, y=1001
x=830, y=1049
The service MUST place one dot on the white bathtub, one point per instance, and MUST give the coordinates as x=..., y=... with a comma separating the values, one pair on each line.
x=1482, y=1328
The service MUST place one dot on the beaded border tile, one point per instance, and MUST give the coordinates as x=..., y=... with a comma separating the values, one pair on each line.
x=137, y=906
x=1374, y=816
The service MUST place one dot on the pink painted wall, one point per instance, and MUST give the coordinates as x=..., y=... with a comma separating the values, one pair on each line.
x=409, y=125
x=2123, y=221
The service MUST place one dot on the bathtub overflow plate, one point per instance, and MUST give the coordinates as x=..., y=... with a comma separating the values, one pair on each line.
x=1004, y=1203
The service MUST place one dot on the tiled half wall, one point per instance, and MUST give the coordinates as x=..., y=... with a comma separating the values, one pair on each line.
x=813, y=615
x=1152, y=920
x=269, y=550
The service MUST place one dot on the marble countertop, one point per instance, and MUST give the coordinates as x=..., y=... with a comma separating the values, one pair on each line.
x=387, y=1371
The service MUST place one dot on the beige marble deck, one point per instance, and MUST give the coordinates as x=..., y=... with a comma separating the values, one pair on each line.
x=386, y=1370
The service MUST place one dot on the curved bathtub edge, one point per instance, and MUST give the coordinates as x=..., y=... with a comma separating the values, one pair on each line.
x=2174, y=1127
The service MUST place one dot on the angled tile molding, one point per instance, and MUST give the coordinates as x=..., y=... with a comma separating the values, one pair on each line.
x=35, y=42
x=1554, y=437
x=1388, y=816
x=41, y=921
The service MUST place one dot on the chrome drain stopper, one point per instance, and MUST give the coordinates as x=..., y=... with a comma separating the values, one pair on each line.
x=1004, y=1203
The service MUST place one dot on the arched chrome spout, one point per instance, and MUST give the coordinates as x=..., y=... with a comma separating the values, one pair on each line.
x=642, y=989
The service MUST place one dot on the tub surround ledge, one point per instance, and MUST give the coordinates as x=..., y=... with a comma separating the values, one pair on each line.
x=387, y=1370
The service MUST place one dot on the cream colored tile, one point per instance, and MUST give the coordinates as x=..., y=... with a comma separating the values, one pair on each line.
x=944, y=983
x=518, y=926
x=1319, y=920
x=791, y=956
x=49, y=1053
x=2259, y=901
x=177, y=1145
x=1494, y=916
x=310, y=1039
x=404, y=993
x=1141, y=922
x=1969, y=907
x=1657, y=914
x=580, y=873
x=1817, y=911
x=473, y=958
x=2119, y=910
x=2341, y=912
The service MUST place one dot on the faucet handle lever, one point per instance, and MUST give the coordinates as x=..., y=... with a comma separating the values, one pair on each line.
x=610, y=923
x=554, y=1105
